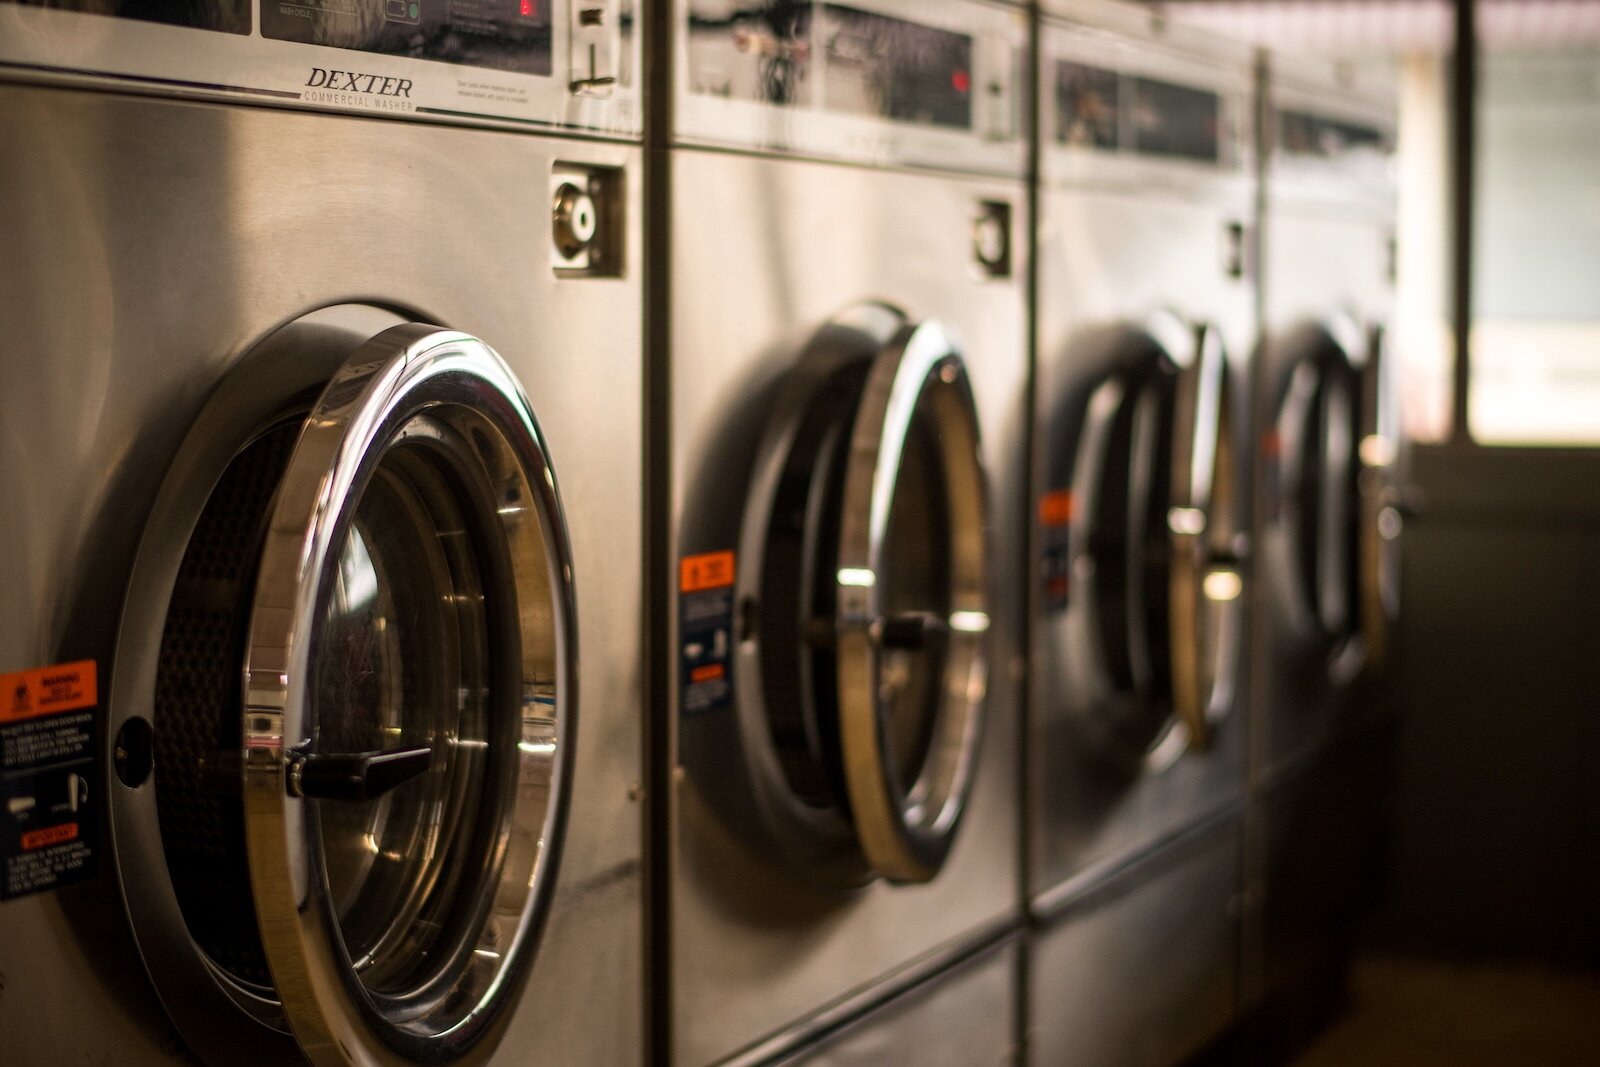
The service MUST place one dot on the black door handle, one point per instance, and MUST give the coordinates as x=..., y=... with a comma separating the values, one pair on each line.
x=353, y=775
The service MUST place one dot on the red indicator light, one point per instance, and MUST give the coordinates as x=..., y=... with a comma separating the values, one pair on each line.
x=527, y=8
x=960, y=80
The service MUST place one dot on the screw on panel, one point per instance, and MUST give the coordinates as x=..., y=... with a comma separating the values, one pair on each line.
x=1233, y=250
x=991, y=238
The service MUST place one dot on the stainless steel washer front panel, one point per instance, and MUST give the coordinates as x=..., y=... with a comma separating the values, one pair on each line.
x=1144, y=970
x=149, y=244
x=1323, y=265
x=1318, y=726
x=964, y=1017
x=764, y=252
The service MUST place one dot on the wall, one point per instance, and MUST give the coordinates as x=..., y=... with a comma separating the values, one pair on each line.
x=1497, y=814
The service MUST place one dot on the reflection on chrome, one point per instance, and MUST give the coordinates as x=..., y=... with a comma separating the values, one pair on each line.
x=537, y=728
x=969, y=622
x=1166, y=751
x=1223, y=586
x=358, y=584
x=1377, y=450
x=1191, y=521
x=860, y=577
x=1389, y=524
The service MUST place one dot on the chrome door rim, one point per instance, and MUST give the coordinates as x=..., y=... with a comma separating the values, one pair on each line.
x=1377, y=451
x=1159, y=593
x=906, y=829
x=398, y=375
x=1199, y=525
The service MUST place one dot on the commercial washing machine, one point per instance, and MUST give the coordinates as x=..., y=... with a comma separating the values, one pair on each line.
x=1330, y=448
x=1330, y=498
x=321, y=423
x=848, y=361
x=1137, y=732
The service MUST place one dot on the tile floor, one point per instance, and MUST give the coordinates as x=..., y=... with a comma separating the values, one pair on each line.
x=1418, y=1012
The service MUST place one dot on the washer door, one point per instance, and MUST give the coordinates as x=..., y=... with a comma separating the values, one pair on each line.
x=911, y=603
x=1315, y=446
x=1204, y=605
x=867, y=531
x=364, y=710
x=1142, y=581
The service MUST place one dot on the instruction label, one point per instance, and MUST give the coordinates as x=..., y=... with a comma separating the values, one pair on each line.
x=705, y=631
x=48, y=785
x=1272, y=467
x=1056, y=509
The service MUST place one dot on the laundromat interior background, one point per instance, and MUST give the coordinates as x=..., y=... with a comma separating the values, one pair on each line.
x=756, y=532
x=1482, y=945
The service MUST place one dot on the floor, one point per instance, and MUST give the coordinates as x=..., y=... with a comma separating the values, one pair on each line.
x=1420, y=1011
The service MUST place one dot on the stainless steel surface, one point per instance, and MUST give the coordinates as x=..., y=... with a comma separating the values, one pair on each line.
x=153, y=244
x=964, y=1017
x=1144, y=969
x=1133, y=261
x=1146, y=320
x=1327, y=558
x=759, y=947
x=1323, y=285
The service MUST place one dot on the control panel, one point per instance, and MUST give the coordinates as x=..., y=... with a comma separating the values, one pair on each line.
x=555, y=63
x=877, y=81
x=1144, y=107
x=1329, y=139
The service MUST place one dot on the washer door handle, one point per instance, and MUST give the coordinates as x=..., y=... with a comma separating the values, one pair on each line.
x=911, y=630
x=353, y=775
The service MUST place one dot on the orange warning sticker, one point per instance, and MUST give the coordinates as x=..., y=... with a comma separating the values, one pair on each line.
x=709, y=673
x=50, y=835
x=1055, y=507
x=47, y=690
x=709, y=570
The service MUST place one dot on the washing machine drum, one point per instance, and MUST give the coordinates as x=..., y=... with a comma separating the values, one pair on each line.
x=1141, y=538
x=362, y=710
x=866, y=590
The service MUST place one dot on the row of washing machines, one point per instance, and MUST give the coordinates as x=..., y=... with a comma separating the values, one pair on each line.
x=718, y=532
